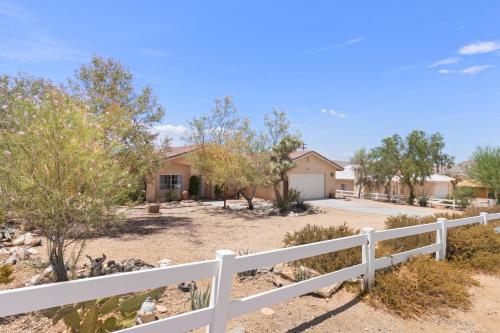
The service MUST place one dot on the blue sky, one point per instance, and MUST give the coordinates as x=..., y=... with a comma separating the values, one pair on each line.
x=347, y=73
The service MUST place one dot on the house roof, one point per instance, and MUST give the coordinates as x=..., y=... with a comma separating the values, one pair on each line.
x=172, y=152
x=303, y=153
x=347, y=173
x=470, y=183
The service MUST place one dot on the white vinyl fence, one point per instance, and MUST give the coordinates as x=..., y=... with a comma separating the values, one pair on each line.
x=221, y=269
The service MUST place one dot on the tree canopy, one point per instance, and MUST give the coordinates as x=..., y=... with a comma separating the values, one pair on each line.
x=486, y=168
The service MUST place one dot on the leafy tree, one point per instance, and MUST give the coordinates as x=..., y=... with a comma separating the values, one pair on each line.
x=55, y=170
x=125, y=115
x=361, y=166
x=421, y=155
x=277, y=125
x=386, y=161
x=486, y=168
x=194, y=186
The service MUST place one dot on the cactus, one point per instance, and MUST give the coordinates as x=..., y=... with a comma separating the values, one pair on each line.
x=5, y=274
x=199, y=298
x=103, y=315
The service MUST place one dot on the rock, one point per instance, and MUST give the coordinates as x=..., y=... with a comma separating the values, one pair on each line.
x=18, y=241
x=153, y=209
x=33, y=241
x=267, y=311
x=12, y=260
x=35, y=280
x=327, y=292
x=28, y=238
x=238, y=329
x=22, y=253
x=4, y=251
x=165, y=263
x=32, y=251
x=143, y=318
x=161, y=308
x=279, y=282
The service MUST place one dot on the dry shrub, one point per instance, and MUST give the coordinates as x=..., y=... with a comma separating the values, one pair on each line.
x=420, y=287
x=5, y=274
x=476, y=247
x=328, y=262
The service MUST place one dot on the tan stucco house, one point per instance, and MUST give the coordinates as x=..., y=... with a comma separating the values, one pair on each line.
x=313, y=175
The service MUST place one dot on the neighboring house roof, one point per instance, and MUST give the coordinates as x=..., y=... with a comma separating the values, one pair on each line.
x=173, y=152
x=459, y=169
x=439, y=178
x=303, y=153
x=346, y=174
x=470, y=183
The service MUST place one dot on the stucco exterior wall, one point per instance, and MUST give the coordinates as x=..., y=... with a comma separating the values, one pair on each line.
x=178, y=166
x=348, y=184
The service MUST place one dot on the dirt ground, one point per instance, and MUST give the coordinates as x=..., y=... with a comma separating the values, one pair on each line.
x=186, y=234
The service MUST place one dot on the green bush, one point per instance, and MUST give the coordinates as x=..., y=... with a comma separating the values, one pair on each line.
x=194, y=187
x=328, y=262
x=463, y=196
x=423, y=201
x=173, y=195
x=420, y=287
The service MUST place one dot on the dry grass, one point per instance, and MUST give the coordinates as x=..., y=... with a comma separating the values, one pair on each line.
x=328, y=262
x=422, y=287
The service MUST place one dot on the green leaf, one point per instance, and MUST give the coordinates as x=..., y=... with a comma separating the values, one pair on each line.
x=133, y=303
x=72, y=320
x=126, y=321
x=61, y=313
x=89, y=323
x=110, y=305
x=110, y=324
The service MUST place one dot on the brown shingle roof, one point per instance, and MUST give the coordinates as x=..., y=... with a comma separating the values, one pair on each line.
x=172, y=152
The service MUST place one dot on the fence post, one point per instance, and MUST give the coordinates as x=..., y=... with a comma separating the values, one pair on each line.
x=485, y=218
x=220, y=296
x=441, y=239
x=368, y=258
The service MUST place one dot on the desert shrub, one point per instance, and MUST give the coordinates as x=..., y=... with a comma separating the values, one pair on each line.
x=194, y=186
x=463, y=196
x=296, y=200
x=173, y=195
x=301, y=274
x=251, y=272
x=328, y=262
x=401, y=244
x=420, y=287
x=423, y=201
x=199, y=298
x=6, y=274
x=476, y=247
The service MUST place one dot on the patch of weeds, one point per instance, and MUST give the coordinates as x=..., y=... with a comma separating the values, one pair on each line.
x=420, y=287
x=328, y=262
x=301, y=274
x=6, y=274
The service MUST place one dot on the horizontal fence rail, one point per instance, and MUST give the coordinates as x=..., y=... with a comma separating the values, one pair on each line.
x=221, y=269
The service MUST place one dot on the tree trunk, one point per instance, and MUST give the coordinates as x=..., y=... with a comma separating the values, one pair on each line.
x=224, y=197
x=56, y=259
x=249, y=197
x=285, y=188
x=279, y=199
x=359, y=191
x=388, y=191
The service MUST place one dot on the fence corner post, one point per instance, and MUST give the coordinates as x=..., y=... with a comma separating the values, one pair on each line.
x=368, y=258
x=484, y=216
x=441, y=239
x=220, y=296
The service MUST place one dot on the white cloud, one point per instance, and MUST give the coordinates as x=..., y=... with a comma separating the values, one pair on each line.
x=479, y=47
x=175, y=132
x=333, y=46
x=23, y=38
x=334, y=113
x=445, y=61
x=475, y=69
x=469, y=70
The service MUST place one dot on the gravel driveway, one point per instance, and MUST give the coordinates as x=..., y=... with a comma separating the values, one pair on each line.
x=372, y=207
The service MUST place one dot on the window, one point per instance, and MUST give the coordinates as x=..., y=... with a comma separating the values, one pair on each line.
x=168, y=182
x=342, y=187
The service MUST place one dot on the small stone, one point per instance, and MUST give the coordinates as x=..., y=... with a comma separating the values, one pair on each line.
x=12, y=260
x=161, y=308
x=165, y=263
x=32, y=251
x=267, y=311
x=18, y=241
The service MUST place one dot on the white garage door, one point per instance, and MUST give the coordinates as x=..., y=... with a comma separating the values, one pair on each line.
x=311, y=186
x=441, y=190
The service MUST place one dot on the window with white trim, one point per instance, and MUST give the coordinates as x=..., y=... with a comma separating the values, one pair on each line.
x=168, y=182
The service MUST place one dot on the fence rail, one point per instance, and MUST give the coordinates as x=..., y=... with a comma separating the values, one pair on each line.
x=221, y=269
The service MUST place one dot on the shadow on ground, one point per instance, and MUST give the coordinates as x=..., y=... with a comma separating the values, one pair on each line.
x=325, y=316
x=143, y=226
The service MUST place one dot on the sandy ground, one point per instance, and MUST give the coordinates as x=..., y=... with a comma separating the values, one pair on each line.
x=194, y=233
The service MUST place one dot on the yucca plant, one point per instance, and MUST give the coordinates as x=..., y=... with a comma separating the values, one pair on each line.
x=199, y=297
x=103, y=315
x=251, y=272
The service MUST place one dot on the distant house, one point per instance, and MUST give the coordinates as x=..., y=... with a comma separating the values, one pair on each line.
x=480, y=191
x=439, y=186
x=313, y=176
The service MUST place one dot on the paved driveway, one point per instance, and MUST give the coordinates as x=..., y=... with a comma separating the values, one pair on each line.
x=371, y=207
